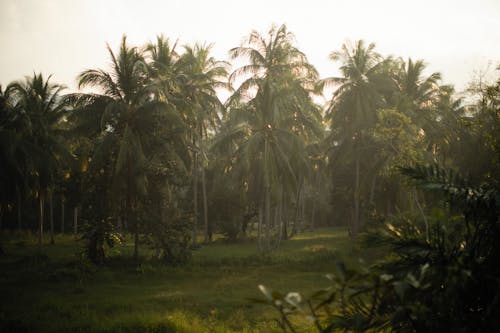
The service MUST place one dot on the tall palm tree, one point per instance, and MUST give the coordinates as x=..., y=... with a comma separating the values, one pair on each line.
x=267, y=108
x=14, y=166
x=202, y=76
x=359, y=94
x=7, y=139
x=44, y=108
x=126, y=106
x=164, y=69
x=416, y=93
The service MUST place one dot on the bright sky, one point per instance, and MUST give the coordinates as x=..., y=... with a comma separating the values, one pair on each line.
x=64, y=37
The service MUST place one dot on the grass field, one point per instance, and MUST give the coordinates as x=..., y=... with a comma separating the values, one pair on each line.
x=62, y=293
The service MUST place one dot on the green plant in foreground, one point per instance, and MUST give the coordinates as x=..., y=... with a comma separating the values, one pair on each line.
x=445, y=278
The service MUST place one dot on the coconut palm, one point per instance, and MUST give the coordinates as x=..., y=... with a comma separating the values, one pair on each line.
x=14, y=167
x=43, y=108
x=269, y=112
x=201, y=76
x=164, y=69
x=416, y=93
x=126, y=108
x=359, y=94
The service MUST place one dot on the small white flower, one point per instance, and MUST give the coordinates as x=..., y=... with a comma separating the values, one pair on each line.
x=293, y=298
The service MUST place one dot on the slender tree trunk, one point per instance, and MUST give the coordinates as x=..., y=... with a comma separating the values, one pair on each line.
x=315, y=197
x=62, y=214
x=267, y=196
x=206, y=237
x=119, y=223
x=1, y=217
x=75, y=221
x=51, y=208
x=297, y=208
x=278, y=225
x=130, y=211
x=205, y=206
x=279, y=216
x=355, y=224
x=19, y=207
x=303, y=215
x=136, y=238
x=259, y=226
x=195, y=197
x=268, y=218
x=135, y=226
x=40, y=229
x=313, y=211
x=372, y=190
x=283, y=214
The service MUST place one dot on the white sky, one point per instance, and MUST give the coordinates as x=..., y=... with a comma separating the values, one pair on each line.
x=64, y=37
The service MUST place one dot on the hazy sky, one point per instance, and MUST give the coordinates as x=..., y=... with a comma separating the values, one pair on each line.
x=64, y=37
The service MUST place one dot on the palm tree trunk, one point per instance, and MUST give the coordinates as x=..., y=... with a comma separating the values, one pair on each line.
x=51, y=208
x=130, y=212
x=119, y=223
x=206, y=237
x=277, y=223
x=268, y=218
x=313, y=211
x=75, y=221
x=205, y=206
x=279, y=216
x=372, y=190
x=355, y=224
x=195, y=196
x=136, y=238
x=62, y=214
x=40, y=229
x=284, y=215
x=19, y=207
x=297, y=208
x=259, y=226
x=267, y=197
x=303, y=215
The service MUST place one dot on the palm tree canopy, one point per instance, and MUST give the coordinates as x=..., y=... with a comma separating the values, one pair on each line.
x=41, y=109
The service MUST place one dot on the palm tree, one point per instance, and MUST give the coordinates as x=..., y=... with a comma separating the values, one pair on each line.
x=164, y=69
x=352, y=111
x=267, y=110
x=202, y=76
x=416, y=94
x=126, y=106
x=14, y=167
x=44, y=108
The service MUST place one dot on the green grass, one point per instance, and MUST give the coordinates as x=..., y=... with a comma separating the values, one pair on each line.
x=62, y=293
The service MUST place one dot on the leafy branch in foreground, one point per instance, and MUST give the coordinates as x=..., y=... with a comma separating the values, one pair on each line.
x=448, y=281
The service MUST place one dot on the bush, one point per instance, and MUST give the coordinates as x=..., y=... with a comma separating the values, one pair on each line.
x=172, y=239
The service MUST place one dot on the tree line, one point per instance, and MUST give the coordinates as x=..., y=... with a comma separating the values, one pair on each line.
x=152, y=151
